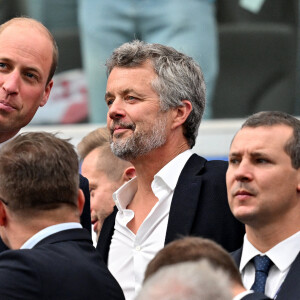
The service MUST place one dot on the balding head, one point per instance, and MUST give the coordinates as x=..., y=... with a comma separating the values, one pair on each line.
x=25, y=22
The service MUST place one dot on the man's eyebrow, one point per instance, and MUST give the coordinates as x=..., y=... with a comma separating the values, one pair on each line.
x=123, y=92
x=234, y=154
x=27, y=68
x=258, y=154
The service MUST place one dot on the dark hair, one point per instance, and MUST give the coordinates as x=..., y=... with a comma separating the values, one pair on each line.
x=179, y=78
x=193, y=249
x=272, y=118
x=38, y=171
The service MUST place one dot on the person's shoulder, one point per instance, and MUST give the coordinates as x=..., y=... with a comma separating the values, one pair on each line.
x=14, y=265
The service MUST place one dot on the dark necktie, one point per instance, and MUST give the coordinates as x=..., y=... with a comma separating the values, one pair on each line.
x=262, y=266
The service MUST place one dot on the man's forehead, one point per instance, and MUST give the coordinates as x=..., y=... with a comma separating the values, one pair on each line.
x=262, y=137
x=24, y=23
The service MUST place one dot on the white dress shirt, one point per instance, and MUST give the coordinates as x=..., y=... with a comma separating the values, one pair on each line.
x=30, y=243
x=129, y=254
x=282, y=255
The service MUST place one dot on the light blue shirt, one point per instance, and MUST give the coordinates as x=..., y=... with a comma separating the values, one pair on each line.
x=30, y=243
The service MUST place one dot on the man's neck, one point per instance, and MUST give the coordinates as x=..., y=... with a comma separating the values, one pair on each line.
x=265, y=237
x=148, y=165
x=18, y=231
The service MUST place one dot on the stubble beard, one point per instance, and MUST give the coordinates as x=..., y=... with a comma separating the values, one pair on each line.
x=140, y=142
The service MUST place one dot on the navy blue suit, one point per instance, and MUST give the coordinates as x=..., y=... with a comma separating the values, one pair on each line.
x=64, y=265
x=199, y=208
x=290, y=288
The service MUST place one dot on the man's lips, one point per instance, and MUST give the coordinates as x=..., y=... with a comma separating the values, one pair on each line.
x=119, y=129
x=243, y=194
x=6, y=106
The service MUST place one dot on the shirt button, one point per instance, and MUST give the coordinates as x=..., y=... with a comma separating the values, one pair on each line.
x=138, y=248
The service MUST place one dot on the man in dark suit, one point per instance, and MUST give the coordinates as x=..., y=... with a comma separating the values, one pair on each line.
x=28, y=60
x=263, y=183
x=40, y=205
x=155, y=97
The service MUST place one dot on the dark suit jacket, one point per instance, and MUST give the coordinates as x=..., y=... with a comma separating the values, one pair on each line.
x=65, y=265
x=199, y=208
x=256, y=296
x=290, y=289
x=85, y=218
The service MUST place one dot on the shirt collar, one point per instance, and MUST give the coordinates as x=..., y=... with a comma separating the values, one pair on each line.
x=289, y=246
x=169, y=174
x=30, y=243
x=123, y=196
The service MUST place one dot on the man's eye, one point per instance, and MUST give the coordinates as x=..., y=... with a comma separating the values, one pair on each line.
x=131, y=98
x=2, y=65
x=233, y=161
x=30, y=75
x=109, y=102
x=262, y=161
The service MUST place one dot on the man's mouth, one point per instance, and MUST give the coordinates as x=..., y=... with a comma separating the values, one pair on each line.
x=119, y=127
x=7, y=106
x=243, y=194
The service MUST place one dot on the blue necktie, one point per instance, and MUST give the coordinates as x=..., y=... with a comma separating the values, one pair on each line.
x=262, y=266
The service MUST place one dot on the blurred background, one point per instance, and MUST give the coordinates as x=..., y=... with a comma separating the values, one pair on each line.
x=248, y=50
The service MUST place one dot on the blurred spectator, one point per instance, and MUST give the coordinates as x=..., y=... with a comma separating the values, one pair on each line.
x=189, y=26
x=105, y=172
x=187, y=281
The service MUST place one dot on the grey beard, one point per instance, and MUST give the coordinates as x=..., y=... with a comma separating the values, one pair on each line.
x=140, y=143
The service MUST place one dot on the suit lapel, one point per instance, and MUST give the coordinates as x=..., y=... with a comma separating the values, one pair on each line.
x=185, y=199
x=237, y=255
x=290, y=288
x=106, y=234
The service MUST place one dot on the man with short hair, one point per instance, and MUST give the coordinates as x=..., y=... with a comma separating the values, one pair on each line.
x=263, y=181
x=156, y=97
x=105, y=172
x=28, y=60
x=40, y=206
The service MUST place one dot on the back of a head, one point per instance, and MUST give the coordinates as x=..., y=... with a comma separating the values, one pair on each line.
x=187, y=281
x=193, y=249
x=38, y=171
x=179, y=78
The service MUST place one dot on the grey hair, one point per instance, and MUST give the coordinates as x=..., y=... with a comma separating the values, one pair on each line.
x=179, y=78
x=188, y=280
x=272, y=118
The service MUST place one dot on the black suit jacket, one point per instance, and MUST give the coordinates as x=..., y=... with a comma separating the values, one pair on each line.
x=256, y=296
x=199, y=208
x=64, y=265
x=290, y=288
x=85, y=218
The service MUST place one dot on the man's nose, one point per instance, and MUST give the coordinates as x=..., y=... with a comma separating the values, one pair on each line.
x=244, y=171
x=11, y=82
x=116, y=110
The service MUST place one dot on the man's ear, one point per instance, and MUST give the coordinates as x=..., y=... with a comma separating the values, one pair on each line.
x=46, y=93
x=128, y=174
x=181, y=113
x=80, y=201
x=3, y=214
